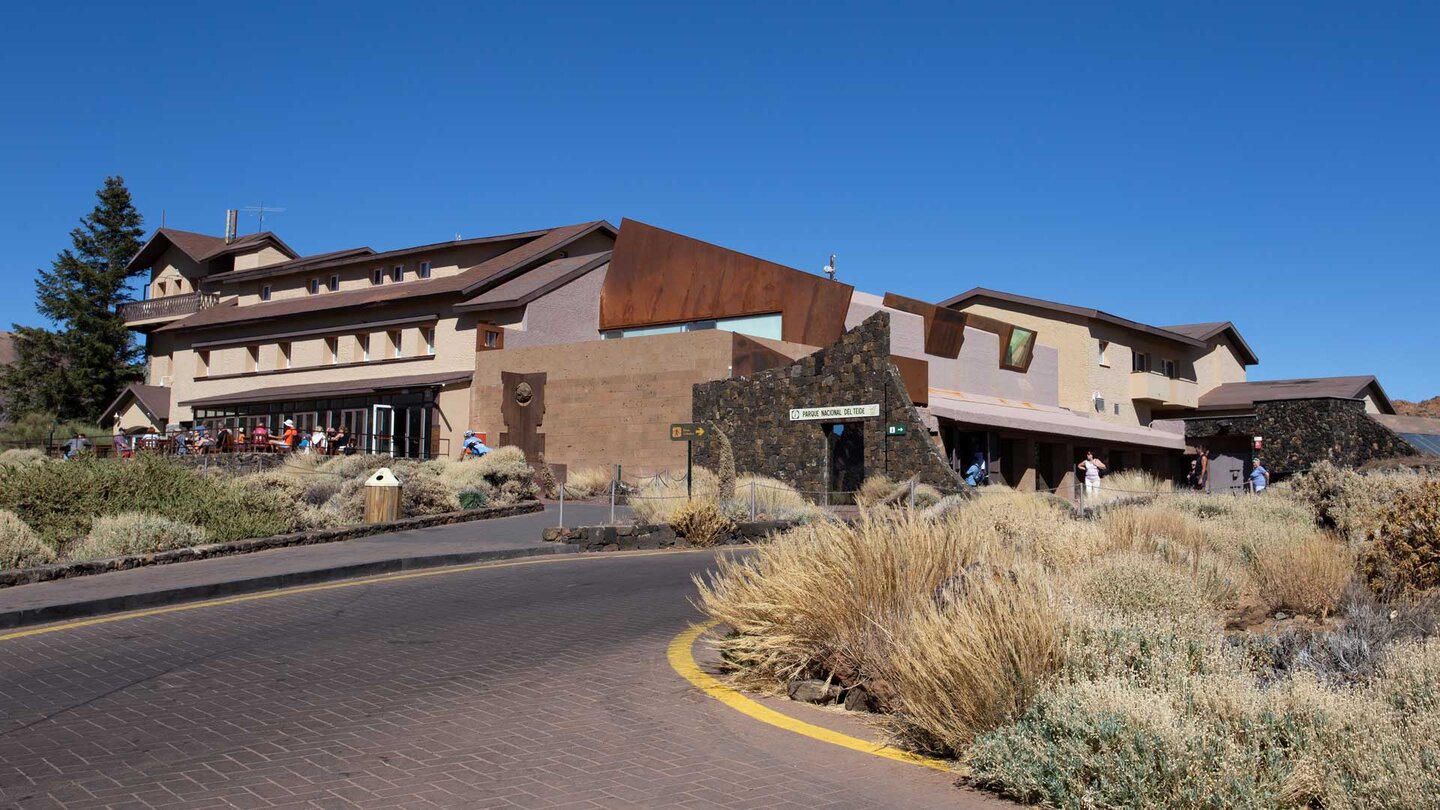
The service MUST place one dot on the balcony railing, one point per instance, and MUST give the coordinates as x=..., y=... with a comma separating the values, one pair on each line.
x=1150, y=386
x=171, y=306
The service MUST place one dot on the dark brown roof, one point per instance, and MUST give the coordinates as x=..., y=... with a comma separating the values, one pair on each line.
x=154, y=400
x=294, y=265
x=1207, y=331
x=328, y=390
x=970, y=296
x=493, y=270
x=1232, y=396
x=7, y=348
x=200, y=247
x=524, y=288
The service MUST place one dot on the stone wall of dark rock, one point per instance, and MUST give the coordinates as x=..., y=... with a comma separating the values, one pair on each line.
x=1297, y=433
x=754, y=412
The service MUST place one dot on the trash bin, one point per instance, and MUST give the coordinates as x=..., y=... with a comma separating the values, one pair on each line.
x=382, y=497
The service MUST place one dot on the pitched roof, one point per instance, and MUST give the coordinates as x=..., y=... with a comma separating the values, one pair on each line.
x=154, y=400
x=1207, y=331
x=200, y=247
x=331, y=390
x=493, y=270
x=971, y=296
x=524, y=288
x=1243, y=395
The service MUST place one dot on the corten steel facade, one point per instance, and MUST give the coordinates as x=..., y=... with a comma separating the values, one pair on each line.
x=584, y=342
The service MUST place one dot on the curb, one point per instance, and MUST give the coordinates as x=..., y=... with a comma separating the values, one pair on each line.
x=192, y=593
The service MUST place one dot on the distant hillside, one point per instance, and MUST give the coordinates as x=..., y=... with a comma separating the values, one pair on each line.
x=1429, y=407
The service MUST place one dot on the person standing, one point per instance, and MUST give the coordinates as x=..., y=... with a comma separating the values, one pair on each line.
x=77, y=445
x=1092, y=467
x=976, y=474
x=1203, y=482
x=1259, y=477
x=121, y=445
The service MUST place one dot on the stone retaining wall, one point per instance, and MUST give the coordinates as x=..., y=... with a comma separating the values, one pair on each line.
x=45, y=573
x=653, y=536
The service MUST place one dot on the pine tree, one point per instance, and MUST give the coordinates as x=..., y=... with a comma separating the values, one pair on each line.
x=79, y=369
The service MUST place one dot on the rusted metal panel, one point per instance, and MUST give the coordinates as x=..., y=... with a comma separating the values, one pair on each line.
x=944, y=328
x=915, y=374
x=522, y=405
x=657, y=277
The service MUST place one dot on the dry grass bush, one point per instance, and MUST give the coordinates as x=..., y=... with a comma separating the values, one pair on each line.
x=419, y=495
x=588, y=482
x=503, y=475
x=135, y=533
x=701, y=522
x=19, y=547
x=549, y=486
x=724, y=467
x=17, y=457
x=1129, y=484
x=656, y=498
x=775, y=500
x=1305, y=576
x=1403, y=555
x=1137, y=583
x=1036, y=527
x=356, y=466
x=873, y=490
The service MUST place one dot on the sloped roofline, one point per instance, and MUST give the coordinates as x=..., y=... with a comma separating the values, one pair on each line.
x=972, y=295
x=1208, y=331
x=214, y=246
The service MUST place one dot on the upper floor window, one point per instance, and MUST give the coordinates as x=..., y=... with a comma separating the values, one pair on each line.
x=397, y=345
x=1168, y=367
x=1139, y=362
x=423, y=271
x=202, y=363
x=397, y=273
x=314, y=286
x=252, y=358
x=334, y=283
x=332, y=350
x=427, y=333
x=1017, y=349
x=265, y=293
x=160, y=289
x=363, y=342
x=377, y=276
x=283, y=360
x=490, y=337
x=1105, y=353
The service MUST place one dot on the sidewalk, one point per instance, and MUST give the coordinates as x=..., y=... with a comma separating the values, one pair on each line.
x=151, y=586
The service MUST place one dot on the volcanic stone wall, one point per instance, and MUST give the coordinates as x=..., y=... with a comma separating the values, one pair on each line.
x=1300, y=432
x=754, y=412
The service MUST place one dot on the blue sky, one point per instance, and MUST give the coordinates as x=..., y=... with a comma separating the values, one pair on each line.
x=1271, y=164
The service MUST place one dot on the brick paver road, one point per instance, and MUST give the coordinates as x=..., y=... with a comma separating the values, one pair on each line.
x=537, y=685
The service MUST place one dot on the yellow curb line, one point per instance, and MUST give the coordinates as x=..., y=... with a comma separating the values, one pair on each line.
x=349, y=583
x=682, y=660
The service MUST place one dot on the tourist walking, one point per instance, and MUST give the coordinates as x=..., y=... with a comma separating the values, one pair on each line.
x=1259, y=478
x=77, y=445
x=976, y=474
x=121, y=445
x=1092, y=467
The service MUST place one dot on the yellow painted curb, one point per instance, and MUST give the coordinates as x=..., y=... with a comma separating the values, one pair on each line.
x=349, y=583
x=682, y=660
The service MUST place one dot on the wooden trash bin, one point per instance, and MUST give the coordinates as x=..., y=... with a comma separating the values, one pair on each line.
x=382, y=497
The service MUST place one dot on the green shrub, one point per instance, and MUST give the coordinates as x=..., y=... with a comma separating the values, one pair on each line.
x=19, y=547
x=22, y=458
x=135, y=533
x=59, y=501
x=472, y=499
x=1404, y=551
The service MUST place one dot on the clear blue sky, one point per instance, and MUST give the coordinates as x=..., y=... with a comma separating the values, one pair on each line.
x=1271, y=164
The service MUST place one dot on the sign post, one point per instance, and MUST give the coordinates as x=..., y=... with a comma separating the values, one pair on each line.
x=690, y=432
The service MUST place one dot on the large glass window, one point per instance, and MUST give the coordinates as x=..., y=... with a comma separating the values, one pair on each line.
x=1018, y=348
x=764, y=326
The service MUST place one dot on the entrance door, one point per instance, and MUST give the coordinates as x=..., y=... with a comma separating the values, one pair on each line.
x=382, y=423
x=846, y=442
x=1227, y=474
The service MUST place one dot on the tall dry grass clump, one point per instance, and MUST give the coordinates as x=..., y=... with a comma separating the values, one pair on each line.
x=1129, y=484
x=724, y=467
x=19, y=546
x=656, y=499
x=701, y=522
x=588, y=482
x=135, y=533
x=1305, y=576
x=1403, y=552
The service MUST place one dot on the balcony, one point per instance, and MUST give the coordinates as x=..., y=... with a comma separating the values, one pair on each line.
x=1162, y=391
x=156, y=311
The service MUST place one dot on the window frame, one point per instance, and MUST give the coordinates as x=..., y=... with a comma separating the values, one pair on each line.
x=377, y=277
x=283, y=351
x=332, y=350
x=483, y=333
x=265, y=292
x=1170, y=368
x=313, y=285
x=397, y=274
x=1005, y=341
x=427, y=334
x=333, y=283
x=423, y=270
x=363, y=341
x=1105, y=353
x=1139, y=362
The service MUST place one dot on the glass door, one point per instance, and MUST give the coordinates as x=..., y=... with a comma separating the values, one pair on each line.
x=382, y=424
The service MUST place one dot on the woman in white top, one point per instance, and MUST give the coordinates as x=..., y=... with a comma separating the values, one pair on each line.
x=1092, y=468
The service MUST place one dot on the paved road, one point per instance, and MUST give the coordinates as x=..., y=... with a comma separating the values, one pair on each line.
x=539, y=684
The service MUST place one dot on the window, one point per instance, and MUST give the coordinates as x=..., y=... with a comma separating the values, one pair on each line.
x=764, y=326
x=490, y=337
x=427, y=333
x=1105, y=353
x=334, y=284
x=423, y=271
x=1139, y=362
x=252, y=358
x=282, y=359
x=377, y=276
x=265, y=293
x=332, y=350
x=362, y=345
x=314, y=286
x=397, y=273
x=1017, y=348
x=202, y=363
x=395, y=337
x=160, y=289
x=1168, y=366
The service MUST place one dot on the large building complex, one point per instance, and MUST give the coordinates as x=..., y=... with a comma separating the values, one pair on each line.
x=583, y=343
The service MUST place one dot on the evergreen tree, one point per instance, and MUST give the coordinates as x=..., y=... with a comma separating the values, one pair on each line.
x=79, y=369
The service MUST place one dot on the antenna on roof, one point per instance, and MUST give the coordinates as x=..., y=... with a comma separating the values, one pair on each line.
x=830, y=268
x=259, y=210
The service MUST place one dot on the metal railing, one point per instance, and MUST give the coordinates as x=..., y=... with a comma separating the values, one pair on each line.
x=169, y=306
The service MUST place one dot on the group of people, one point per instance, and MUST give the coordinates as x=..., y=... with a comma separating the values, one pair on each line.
x=1198, y=477
x=200, y=440
x=1092, y=468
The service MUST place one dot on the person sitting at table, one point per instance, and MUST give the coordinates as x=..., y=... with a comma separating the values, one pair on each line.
x=289, y=439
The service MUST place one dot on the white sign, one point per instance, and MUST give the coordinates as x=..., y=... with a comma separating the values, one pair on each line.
x=834, y=412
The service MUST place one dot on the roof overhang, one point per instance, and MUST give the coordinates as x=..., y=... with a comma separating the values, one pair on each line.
x=981, y=294
x=331, y=390
x=1005, y=415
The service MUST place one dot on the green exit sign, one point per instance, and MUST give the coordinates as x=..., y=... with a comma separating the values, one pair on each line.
x=895, y=430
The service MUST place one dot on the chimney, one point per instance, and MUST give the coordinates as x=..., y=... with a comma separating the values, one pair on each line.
x=232, y=224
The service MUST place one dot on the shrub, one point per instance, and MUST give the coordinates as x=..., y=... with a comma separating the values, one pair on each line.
x=58, y=501
x=724, y=467
x=1133, y=583
x=22, y=458
x=873, y=490
x=135, y=533
x=472, y=499
x=503, y=475
x=1127, y=485
x=588, y=482
x=1305, y=576
x=19, y=547
x=419, y=495
x=774, y=500
x=321, y=489
x=549, y=487
x=360, y=464
x=1404, y=551
x=656, y=498
x=701, y=522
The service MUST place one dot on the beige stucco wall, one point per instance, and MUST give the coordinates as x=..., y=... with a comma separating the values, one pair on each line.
x=251, y=259
x=608, y=401
x=177, y=271
x=131, y=417
x=1219, y=365
x=444, y=261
